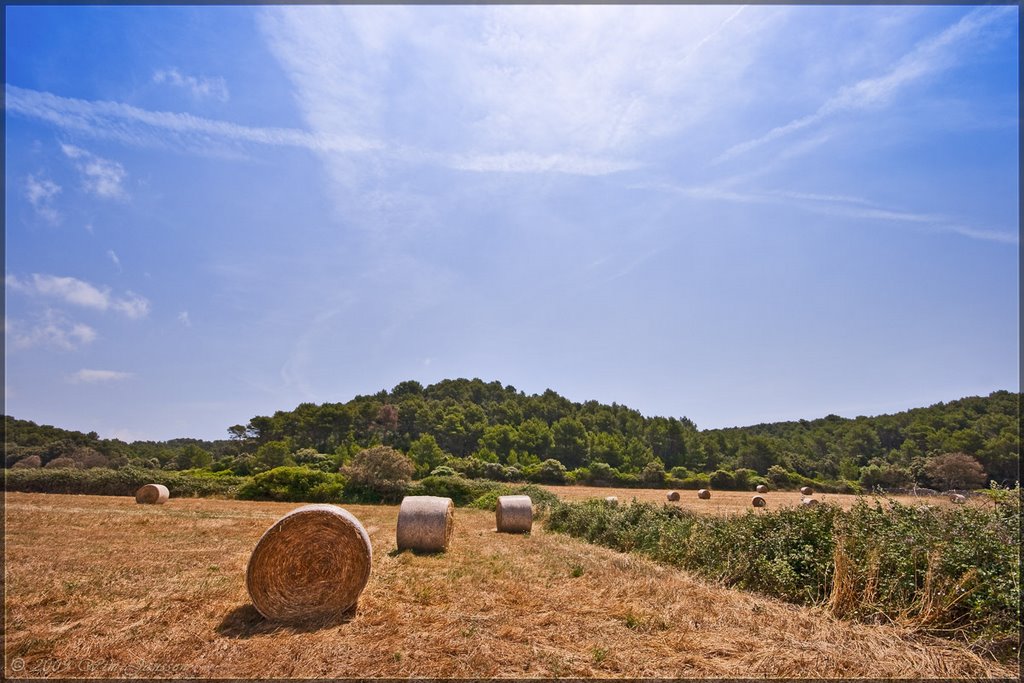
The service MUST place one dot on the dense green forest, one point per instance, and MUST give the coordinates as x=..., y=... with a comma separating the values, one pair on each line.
x=488, y=430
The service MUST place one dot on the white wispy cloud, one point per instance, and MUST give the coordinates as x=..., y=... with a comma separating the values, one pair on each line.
x=49, y=329
x=184, y=319
x=927, y=58
x=87, y=376
x=578, y=90
x=40, y=193
x=102, y=177
x=79, y=293
x=113, y=257
x=842, y=206
x=141, y=127
x=199, y=86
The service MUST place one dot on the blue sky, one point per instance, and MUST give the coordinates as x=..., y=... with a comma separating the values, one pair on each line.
x=737, y=214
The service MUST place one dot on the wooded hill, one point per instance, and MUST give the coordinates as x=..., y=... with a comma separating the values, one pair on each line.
x=486, y=429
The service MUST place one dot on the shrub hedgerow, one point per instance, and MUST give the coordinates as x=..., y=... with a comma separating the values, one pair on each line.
x=542, y=499
x=943, y=569
x=461, y=490
x=295, y=485
x=101, y=481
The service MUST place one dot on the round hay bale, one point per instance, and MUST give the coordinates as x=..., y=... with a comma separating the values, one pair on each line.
x=311, y=564
x=515, y=514
x=425, y=523
x=673, y=495
x=809, y=501
x=758, y=501
x=806, y=491
x=958, y=499
x=761, y=488
x=152, y=494
x=704, y=494
x=612, y=500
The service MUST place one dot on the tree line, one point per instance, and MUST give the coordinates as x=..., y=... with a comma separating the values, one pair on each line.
x=489, y=430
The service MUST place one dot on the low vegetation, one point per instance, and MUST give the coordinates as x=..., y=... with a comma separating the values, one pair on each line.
x=950, y=570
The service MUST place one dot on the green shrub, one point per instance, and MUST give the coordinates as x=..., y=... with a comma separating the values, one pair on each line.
x=100, y=481
x=294, y=485
x=722, y=480
x=543, y=500
x=462, y=491
x=951, y=569
x=378, y=474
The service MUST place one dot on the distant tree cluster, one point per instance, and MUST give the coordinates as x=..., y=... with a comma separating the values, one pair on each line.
x=487, y=430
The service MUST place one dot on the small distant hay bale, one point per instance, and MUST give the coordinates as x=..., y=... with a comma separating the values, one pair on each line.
x=152, y=494
x=612, y=501
x=515, y=514
x=704, y=494
x=809, y=501
x=957, y=498
x=758, y=501
x=761, y=488
x=425, y=523
x=673, y=495
x=806, y=491
x=310, y=565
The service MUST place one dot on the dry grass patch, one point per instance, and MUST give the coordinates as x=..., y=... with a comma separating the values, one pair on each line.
x=735, y=502
x=160, y=591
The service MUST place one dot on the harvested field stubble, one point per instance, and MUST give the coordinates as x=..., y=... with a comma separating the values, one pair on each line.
x=162, y=589
x=737, y=502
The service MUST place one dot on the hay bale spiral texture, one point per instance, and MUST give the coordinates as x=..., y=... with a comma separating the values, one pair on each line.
x=152, y=494
x=704, y=494
x=761, y=488
x=310, y=565
x=957, y=498
x=809, y=501
x=673, y=495
x=425, y=523
x=758, y=501
x=515, y=514
x=806, y=491
x=612, y=500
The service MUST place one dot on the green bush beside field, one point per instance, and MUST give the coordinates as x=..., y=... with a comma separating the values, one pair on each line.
x=949, y=570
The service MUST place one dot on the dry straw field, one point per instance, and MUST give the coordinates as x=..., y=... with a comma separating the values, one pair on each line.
x=102, y=587
x=725, y=502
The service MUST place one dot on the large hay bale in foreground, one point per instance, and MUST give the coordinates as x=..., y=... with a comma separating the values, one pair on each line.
x=758, y=501
x=958, y=499
x=704, y=494
x=673, y=495
x=809, y=501
x=761, y=488
x=425, y=523
x=612, y=500
x=310, y=565
x=806, y=491
x=515, y=514
x=152, y=494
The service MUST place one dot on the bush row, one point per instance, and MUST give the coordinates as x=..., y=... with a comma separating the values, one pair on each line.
x=944, y=569
x=285, y=484
x=123, y=482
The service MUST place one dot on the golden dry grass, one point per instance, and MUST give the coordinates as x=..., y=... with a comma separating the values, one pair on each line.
x=102, y=587
x=730, y=502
